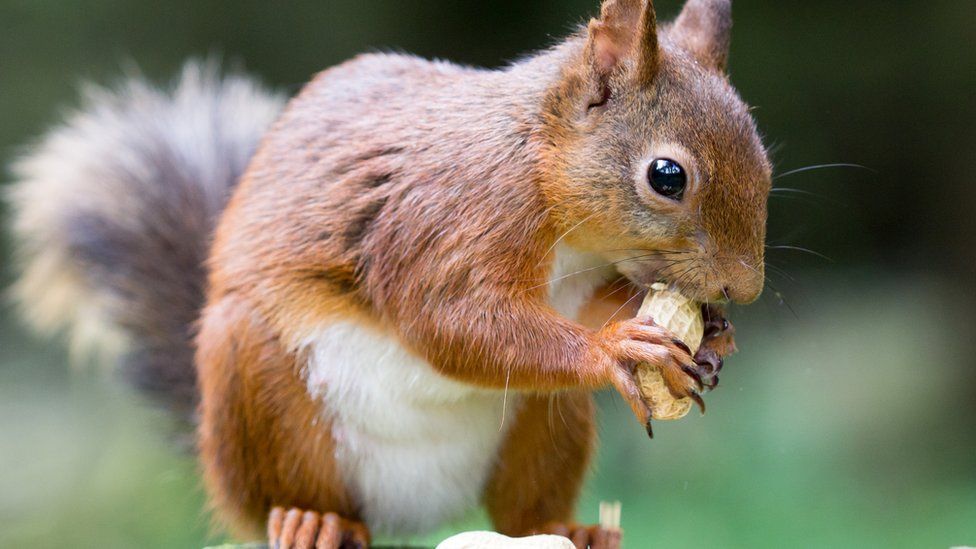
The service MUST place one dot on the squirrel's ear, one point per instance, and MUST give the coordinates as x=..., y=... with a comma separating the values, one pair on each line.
x=626, y=29
x=704, y=29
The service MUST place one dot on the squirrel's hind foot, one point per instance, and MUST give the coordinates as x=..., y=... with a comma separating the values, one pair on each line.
x=297, y=529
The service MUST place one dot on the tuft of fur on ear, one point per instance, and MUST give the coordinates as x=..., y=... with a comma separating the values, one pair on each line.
x=626, y=29
x=704, y=29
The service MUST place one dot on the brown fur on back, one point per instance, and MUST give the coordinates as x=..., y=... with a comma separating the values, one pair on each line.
x=413, y=204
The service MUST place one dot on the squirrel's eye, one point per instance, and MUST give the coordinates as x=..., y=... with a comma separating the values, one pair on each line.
x=667, y=178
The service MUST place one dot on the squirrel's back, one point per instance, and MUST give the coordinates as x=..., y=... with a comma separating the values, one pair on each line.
x=112, y=215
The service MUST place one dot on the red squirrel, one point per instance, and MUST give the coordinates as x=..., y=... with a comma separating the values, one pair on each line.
x=396, y=293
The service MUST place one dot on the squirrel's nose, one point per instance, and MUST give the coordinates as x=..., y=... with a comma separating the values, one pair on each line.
x=741, y=295
x=744, y=288
x=743, y=283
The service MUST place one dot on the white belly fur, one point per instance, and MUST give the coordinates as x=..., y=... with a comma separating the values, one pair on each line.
x=415, y=448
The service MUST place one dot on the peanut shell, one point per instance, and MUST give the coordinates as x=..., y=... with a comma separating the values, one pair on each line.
x=491, y=540
x=682, y=317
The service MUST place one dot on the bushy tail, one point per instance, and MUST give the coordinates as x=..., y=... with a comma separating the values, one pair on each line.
x=112, y=216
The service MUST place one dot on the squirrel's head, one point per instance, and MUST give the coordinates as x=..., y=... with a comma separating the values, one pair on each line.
x=654, y=161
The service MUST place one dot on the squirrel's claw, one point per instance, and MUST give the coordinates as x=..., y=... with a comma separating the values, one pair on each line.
x=693, y=373
x=681, y=345
x=709, y=365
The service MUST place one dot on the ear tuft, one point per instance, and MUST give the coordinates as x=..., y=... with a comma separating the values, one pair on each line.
x=625, y=29
x=704, y=29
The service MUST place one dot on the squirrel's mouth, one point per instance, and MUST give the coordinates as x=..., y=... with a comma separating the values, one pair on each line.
x=644, y=273
x=684, y=276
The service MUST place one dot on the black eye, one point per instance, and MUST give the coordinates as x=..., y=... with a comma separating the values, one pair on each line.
x=667, y=178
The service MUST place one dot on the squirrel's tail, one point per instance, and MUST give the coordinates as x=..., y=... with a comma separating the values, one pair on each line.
x=112, y=217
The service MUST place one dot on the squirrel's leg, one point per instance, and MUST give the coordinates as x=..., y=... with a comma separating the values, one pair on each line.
x=541, y=467
x=263, y=440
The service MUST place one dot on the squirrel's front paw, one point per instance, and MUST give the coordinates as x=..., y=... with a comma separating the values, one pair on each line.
x=718, y=342
x=640, y=340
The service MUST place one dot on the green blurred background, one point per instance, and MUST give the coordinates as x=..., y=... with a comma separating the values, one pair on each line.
x=847, y=420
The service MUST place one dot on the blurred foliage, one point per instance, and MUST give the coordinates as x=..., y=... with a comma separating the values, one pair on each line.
x=846, y=420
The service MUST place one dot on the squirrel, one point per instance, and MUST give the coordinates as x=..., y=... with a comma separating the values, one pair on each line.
x=370, y=300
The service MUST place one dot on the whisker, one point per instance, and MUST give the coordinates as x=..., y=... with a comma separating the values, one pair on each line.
x=618, y=290
x=768, y=282
x=748, y=266
x=791, y=190
x=667, y=264
x=680, y=283
x=682, y=273
x=622, y=281
x=782, y=298
x=782, y=301
x=581, y=271
x=705, y=286
x=621, y=308
x=679, y=280
x=820, y=167
x=501, y=424
x=792, y=235
x=780, y=271
x=564, y=277
x=799, y=249
x=651, y=251
x=806, y=196
x=565, y=234
x=755, y=270
x=626, y=285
